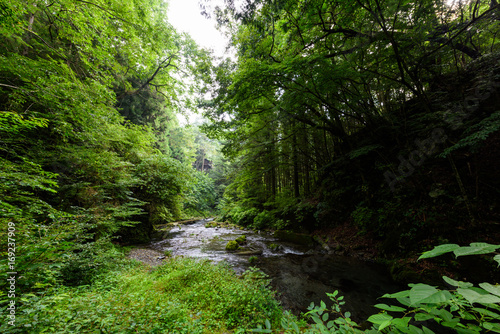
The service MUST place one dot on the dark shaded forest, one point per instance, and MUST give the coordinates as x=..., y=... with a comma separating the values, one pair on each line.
x=378, y=116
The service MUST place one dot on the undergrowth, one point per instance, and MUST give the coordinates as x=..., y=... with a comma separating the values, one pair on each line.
x=182, y=296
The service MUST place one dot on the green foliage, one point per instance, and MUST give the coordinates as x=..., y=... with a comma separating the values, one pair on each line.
x=202, y=195
x=323, y=320
x=362, y=216
x=163, y=184
x=183, y=296
x=241, y=216
x=263, y=219
x=74, y=171
x=327, y=98
x=465, y=308
x=477, y=134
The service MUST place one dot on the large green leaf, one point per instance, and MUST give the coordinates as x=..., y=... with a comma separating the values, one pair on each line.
x=486, y=312
x=421, y=292
x=494, y=289
x=476, y=248
x=461, y=284
x=380, y=318
x=386, y=307
x=478, y=296
x=492, y=327
x=439, y=250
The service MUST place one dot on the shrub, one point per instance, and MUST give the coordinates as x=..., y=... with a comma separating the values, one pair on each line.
x=263, y=219
x=362, y=217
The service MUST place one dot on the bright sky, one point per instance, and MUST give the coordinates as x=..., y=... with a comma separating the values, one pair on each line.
x=185, y=15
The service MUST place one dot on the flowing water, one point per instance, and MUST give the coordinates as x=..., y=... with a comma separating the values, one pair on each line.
x=301, y=275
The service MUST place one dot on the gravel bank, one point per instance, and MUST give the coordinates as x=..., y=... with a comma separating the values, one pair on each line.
x=147, y=255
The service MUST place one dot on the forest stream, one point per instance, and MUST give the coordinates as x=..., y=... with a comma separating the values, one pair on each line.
x=300, y=274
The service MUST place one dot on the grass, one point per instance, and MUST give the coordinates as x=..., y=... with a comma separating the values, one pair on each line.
x=182, y=296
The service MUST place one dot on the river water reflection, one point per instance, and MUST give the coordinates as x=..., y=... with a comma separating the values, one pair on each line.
x=301, y=275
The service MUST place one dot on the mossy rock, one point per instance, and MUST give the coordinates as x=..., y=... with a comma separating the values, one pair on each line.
x=211, y=224
x=232, y=246
x=275, y=247
x=241, y=239
x=296, y=238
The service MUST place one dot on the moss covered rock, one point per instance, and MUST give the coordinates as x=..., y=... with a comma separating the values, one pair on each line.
x=275, y=247
x=232, y=246
x=241, y=239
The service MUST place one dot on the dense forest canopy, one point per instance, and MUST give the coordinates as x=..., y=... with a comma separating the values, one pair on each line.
x=382, y=114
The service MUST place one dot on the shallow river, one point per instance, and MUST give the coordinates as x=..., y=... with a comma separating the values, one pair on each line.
x=301, y=275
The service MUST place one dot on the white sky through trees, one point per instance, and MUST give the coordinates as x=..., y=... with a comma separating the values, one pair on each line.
x=185, y=15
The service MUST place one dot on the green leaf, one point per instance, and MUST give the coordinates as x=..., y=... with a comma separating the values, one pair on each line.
x=476, y=249
x=390, y=308
x=478, y=296
x=380, y=318
x=427, y=330
x=466, y=331
x=401, y=322
x=452, y=282
x=423, y=316
x=492, y=327
x=384, y=324
x=400, y=294
x=494, y=289
x=497, y=258
x=439, y=250
x=421, y=292
x=486, y=312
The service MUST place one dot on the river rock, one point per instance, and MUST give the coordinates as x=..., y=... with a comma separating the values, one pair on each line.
x=241, y=240
x=250, y=252
x=232, y=245
x=275, y=247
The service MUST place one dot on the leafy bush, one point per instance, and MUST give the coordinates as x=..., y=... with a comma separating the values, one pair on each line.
x=87, y=262
x=164, y=181
x=263, y=219
x=201, y=197
x=362, y=217
x=242, y=216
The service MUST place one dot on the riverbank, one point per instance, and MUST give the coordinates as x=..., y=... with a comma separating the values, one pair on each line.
x=183, y=296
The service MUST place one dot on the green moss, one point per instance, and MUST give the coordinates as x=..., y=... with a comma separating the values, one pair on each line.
x=232, y=246
x=241, y=239
x=275, y=247
x=211, y=224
